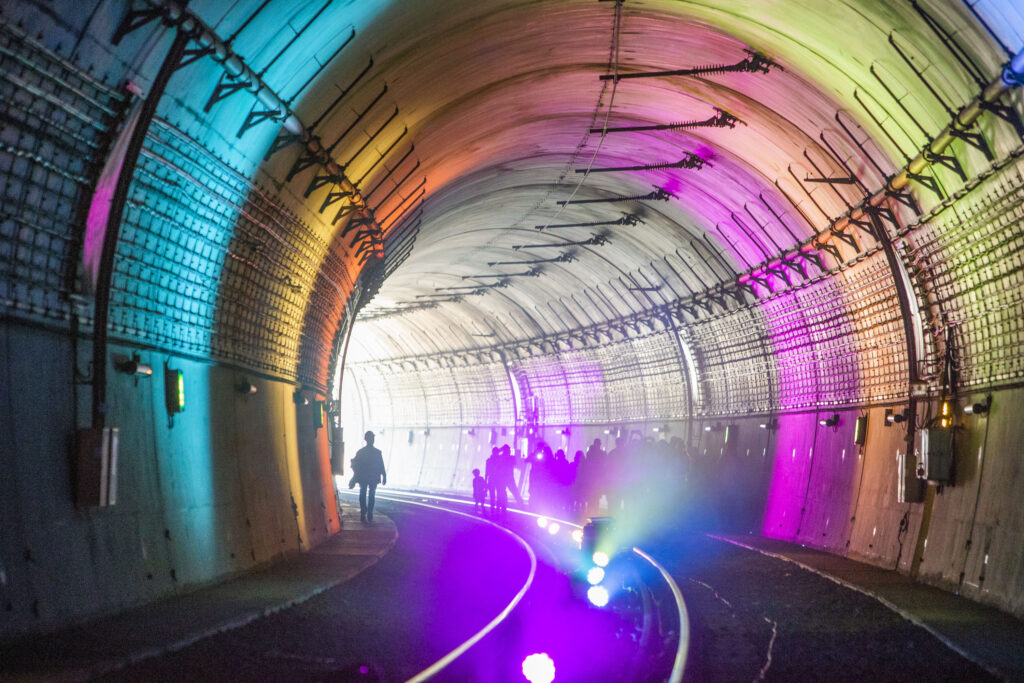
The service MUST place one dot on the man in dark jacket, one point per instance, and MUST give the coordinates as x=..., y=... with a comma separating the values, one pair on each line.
x=368, y=472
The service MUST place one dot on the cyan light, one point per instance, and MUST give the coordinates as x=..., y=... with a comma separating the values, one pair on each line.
x=600, y=558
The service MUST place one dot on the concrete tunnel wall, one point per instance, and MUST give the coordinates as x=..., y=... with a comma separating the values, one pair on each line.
x=237, y=481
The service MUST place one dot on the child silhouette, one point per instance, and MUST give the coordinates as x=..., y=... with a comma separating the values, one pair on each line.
x=479, y=491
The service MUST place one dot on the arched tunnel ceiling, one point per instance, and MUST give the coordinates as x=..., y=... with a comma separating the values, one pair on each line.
x=499, y=99
x=478, y=147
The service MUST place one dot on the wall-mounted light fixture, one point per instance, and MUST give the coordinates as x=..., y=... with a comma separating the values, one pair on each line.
x=830, y=421
x=978, y=408
x=244, y=386
x=892, y=418
x=944, y=418
x=730, y=431
x=133, y=366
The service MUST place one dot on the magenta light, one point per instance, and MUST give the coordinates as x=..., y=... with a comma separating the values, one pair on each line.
x=553, y=528
x=539, y=668
x=542, y=522
x=577, y=535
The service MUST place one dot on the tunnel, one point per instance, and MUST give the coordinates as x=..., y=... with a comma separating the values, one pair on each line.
x=782, y=243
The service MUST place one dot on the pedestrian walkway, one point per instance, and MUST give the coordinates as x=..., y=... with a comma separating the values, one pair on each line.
x=113, y=642
x=985, y=635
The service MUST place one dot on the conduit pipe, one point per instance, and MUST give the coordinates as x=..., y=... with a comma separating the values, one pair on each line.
x=1011, y=77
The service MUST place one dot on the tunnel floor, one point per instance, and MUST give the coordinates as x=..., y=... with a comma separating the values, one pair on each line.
x=752, y=616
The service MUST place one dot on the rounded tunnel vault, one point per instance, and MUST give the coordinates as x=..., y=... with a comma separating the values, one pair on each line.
x=507, y=220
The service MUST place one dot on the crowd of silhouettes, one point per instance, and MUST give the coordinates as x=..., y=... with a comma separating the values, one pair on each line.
x=637, y=480
x=636, y=475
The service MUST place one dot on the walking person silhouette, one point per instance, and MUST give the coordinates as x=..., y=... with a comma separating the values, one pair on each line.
x=367, y=471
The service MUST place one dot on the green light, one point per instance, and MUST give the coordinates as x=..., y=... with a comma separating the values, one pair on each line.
x=860, y=431
x=174, y=390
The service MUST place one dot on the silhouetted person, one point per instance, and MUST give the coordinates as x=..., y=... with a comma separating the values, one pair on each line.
x=578, y=479
x=491, y=470
x=508, y=472
x=368, y=471
x=479, y=491
x=615, y=474
x=560, y=473
x=593, y=480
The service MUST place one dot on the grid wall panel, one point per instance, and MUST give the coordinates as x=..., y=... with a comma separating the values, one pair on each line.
x=485, y=395
x=736, y=371
x=443, y=402
x=584, y=378
x=879, y=344
x=54, y=122
x=545, y=381
x=972, y=260
x=210, y=264
x=403, y=393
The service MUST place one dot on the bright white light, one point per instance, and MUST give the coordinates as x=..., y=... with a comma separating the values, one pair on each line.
x=339, y=481
x=539, y=668
x=553, y=528
x=600, y=559
x=595, y=576
x=597, y=595
x=542, y=522
x=577, y=535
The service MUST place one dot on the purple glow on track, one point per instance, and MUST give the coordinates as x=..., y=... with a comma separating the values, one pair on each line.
x=539, y=668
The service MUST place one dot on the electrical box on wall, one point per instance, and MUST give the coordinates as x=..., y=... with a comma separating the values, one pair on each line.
x=96, y=467
x=909, y=489
x=934, y=450
x=338, y=453
x=318, y=414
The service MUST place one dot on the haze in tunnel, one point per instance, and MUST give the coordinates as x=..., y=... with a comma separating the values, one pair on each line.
x=783, y=238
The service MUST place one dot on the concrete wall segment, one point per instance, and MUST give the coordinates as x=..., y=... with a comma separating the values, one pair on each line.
x=204, y=499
